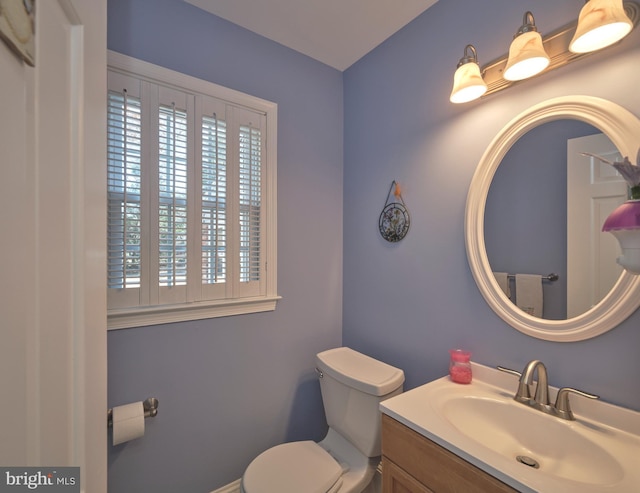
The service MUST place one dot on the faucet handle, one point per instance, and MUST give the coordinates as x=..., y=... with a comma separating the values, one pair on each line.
x=563, y=409
x=523, y=394
x=510, y=371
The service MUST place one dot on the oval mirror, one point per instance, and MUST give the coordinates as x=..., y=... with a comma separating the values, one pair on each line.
x=622, y=129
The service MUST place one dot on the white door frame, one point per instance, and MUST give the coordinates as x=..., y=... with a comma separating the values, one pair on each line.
x=53, y=357
x=89, y=388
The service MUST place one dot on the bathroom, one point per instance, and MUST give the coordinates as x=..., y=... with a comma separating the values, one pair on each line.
x=232, y=387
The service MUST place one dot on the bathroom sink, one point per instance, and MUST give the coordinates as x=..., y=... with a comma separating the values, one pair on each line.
x=525, y=448
x=552, y=445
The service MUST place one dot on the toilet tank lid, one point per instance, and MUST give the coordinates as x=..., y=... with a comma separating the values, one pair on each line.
x=360, y=371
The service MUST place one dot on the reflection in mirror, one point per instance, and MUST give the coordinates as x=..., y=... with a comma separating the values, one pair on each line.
x=622, y=127
x=594, y=190
x=526, y=222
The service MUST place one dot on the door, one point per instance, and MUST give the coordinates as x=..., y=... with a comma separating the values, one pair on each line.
x=52, y=299
x=594, y=190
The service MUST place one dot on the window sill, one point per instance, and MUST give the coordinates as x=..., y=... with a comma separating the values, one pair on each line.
x=156, y=315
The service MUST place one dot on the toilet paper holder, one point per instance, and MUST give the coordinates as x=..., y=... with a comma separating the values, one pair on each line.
x=149, y=405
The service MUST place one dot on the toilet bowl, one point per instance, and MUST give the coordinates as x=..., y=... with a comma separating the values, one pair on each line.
x=345, y=461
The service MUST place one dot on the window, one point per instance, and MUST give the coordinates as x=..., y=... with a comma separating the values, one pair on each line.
x=191, y=218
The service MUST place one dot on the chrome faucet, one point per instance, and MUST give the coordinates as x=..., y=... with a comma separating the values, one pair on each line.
x=541, y=397
x=540, y=400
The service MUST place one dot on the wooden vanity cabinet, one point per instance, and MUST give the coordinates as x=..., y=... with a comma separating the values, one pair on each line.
x=412, y=463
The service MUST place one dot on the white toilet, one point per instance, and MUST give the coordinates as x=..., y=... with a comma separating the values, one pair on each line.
x=345, y=461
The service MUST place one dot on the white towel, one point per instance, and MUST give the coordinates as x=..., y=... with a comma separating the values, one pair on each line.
x=503, y=282
x=529, y=293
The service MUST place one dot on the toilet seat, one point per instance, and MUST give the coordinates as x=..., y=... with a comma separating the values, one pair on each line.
x=300, y=467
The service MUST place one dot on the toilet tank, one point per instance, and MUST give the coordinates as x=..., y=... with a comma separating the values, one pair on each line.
x=352, y=386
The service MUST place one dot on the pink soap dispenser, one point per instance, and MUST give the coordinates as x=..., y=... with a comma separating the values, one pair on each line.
x=460, y=366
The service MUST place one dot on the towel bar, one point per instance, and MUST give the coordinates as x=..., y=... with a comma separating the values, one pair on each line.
x=551, y=277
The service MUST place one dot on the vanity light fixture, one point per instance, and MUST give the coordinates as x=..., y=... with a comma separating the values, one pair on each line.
x=600, y=24
x=527, y=56
x=467, y=81
x=591, y=32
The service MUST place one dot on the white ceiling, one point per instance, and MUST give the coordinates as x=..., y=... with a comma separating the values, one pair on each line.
x=335, y=32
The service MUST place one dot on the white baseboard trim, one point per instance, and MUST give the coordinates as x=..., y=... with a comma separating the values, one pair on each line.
x=230, y=488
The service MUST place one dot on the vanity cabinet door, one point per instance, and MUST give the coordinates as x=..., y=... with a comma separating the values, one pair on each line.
x=396, y=480
x=430, y=466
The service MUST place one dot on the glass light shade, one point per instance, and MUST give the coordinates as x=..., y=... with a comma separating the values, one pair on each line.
x=600, y=24
x=527, y=57
x=624, y=224
x=467, y=83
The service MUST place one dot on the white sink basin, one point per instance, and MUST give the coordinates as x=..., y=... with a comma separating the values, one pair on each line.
x=513, y=430
x=525, y=448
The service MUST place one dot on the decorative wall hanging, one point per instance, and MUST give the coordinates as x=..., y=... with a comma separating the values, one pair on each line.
x=394, y=220
x=17, y=27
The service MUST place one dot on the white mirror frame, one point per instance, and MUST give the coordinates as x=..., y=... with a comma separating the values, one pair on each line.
x=623, y=128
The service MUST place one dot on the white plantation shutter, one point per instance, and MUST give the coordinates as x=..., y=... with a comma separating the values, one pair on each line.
x=214, y=199
x=172, y=192
x=250, y=196
x=191, y=201
x=124, y=190
x=171, y=215
x=124, y=176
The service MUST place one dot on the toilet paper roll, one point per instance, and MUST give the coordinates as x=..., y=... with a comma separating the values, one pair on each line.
x=128, y=422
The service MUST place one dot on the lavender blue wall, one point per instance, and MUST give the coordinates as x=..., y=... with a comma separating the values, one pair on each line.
x=410, y=302
x=231, y=387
